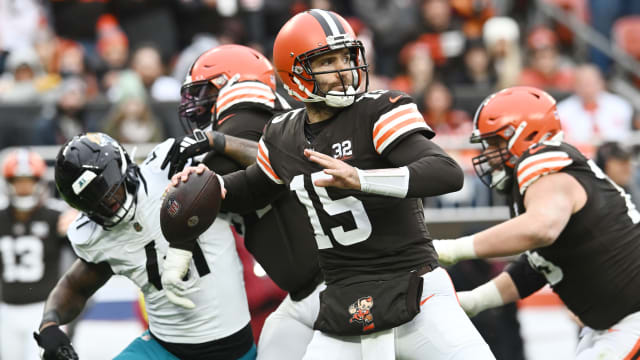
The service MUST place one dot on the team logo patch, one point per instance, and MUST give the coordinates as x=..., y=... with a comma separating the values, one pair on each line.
x=361, y=313
x=193, y=221
x=173, y=207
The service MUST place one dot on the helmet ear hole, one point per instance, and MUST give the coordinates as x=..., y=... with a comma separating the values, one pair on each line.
x=532, y=136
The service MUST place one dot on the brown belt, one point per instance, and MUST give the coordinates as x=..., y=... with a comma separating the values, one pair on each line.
x=425, y=269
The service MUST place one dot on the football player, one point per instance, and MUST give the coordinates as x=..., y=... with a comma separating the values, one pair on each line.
x=578, y=230
x=32, y=241
x=230, y=90
x=359, y=162
x=118, y=233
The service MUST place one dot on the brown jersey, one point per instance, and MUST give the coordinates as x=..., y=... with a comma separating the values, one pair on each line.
x=593, y=265
x=355, y=232
x=31, y=252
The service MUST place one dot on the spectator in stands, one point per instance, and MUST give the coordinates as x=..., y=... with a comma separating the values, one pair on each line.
x=147, y=62
x=616, y=161
x=478, y=72
x=441, y=30
x=113, y=50
x=501, y=37
x=393, y=24
x=19, y=25
x=441, y=116
x=546, y=70
x=19, y=82
x=71, y=63
x=131, y=119
x=593, y=113
x=415, y=57
x=474, y=14
x=67, y=118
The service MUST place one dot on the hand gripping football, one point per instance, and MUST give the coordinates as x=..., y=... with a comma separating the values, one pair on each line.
x=189, y=208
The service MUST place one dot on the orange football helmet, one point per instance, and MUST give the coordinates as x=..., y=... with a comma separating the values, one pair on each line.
x=23, y=163
x=216, y=71
x=310, y=34
x=516, y=118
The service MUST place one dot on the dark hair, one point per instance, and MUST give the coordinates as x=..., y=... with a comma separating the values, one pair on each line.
x=611, y=150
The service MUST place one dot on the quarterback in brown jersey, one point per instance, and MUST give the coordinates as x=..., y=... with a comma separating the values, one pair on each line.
x=359, y=162
x=578, y=229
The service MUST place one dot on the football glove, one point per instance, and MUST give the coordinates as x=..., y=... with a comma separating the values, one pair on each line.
x=454, y=250
x=185, y=148
x=55, y=344
x=174, y=269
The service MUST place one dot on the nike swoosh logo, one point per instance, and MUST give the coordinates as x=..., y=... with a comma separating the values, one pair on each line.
x=426, y=299
x=394, y=99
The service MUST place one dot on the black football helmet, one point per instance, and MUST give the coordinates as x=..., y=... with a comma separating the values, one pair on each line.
x=95, y=175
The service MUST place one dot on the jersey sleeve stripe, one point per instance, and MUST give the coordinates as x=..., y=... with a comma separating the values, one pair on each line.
x=544, y=155
x=533, y=166
x=531, y=178
x=398, y=130
x=245, y=94
x=389, y=116
x=263, y=163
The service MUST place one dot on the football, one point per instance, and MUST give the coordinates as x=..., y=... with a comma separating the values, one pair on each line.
x=190, y=208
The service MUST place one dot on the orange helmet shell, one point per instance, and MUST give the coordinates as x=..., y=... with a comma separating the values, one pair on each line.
x=305, y=35
x=521, y=115
x=229, y=60
x=23, y=163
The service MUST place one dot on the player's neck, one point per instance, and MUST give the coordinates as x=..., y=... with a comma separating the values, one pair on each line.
x=319, y=111
x=22, y=216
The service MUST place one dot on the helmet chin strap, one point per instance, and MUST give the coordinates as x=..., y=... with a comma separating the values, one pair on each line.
x=340, y=98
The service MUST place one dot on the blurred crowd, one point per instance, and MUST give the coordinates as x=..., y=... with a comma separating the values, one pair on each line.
x=105, y=65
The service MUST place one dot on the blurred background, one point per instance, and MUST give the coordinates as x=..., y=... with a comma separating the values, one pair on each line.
x=68, y=66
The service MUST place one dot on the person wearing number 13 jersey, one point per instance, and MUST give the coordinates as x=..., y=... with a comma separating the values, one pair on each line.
x=32, y=241
x=579, y=231
x=119, y=233
x=359, y=162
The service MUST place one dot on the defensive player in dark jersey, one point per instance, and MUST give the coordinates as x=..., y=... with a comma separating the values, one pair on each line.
x=578, y=229
x=32, y=240
x=230, y=90
x=359, y=162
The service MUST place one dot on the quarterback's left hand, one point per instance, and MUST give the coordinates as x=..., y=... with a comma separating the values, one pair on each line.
x=342, y=175
x=185, y=148
x=175, y=267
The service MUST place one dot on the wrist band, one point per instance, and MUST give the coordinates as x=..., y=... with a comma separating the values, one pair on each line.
x=219, y=142
x=390, y=182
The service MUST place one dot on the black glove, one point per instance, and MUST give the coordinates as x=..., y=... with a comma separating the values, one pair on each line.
x=55, y=343
x=185, y=148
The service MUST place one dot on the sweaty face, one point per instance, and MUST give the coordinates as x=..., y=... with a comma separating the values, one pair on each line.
x=330, y=71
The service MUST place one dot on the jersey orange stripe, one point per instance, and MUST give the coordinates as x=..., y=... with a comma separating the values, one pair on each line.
x=634, y=353
x=266, y=166
x=538, y=173
x=539, y=161
x=264, y=154
x=389, y=132
x=249, y=96
x=378, y=126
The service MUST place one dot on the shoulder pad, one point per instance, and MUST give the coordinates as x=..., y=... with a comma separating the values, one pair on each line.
x=540, y=160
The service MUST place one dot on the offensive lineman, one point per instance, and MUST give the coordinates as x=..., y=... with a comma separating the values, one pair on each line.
x=374, y=248
x=32, y=240
x=578, y=229
x=230, y=90
x=119, y=234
